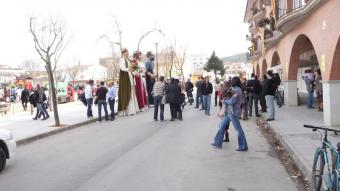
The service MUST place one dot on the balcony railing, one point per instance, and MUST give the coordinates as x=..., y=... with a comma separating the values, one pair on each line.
x=289, y=18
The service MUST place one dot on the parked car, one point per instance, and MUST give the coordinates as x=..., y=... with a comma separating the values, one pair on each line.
x=7, y=147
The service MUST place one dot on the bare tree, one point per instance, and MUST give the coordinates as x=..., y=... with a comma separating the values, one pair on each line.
x=73, y=71
x=31, y=67
x=179, y=64
x=49, y=42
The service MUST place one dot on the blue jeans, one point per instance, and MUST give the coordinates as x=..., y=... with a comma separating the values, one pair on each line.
x=310, y=99
x=198, y=99
x=242, y=142
x=89, y=107
x=102, y=103
x=158, y=103
x=206, y=103
x=112, y=108
x=271, y=108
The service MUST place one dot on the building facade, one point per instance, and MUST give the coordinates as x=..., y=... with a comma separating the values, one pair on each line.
x=292, y=35
x=8, y=74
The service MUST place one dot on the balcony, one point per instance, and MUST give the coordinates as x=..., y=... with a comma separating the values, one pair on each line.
x=253, y=29
x=272, y=38
x=288, y=19
x=258, y=14
x=254, y=55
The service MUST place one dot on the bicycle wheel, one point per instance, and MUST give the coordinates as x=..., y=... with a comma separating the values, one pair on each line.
x=318, y=180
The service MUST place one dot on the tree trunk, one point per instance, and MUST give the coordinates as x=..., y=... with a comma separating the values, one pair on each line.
x=53, y=94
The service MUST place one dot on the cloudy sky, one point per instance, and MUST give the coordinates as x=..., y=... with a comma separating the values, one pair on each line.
x=200, y=26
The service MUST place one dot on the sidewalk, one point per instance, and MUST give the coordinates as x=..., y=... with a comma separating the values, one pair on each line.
x=25, y=129
x=299, y=141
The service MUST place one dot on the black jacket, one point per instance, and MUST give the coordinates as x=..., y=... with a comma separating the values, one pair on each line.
x=269, y=87
x=25, y=94
x=199, y=87
x=207, y=88
x=255, y=86
x=189, y=86
x=173, y=94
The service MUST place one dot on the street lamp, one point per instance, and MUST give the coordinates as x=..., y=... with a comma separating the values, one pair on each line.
x=156, y=44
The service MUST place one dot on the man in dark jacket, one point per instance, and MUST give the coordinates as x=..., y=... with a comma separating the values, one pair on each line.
x=101, y=97
x=254, y=94
x=207, y=90
x=24, y=98
x=269, y=89
x=199, y=99
x=173, y=95
x=189, y=86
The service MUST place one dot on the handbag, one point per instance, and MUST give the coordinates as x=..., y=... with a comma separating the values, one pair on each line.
x=95, y=100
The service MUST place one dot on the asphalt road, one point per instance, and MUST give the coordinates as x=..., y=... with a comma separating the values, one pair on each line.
x=136, y=154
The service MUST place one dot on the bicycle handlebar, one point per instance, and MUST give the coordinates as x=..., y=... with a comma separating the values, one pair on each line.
x=321, y=128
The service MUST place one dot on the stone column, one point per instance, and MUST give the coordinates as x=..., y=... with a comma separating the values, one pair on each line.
x=331, y=103
x=290, y=92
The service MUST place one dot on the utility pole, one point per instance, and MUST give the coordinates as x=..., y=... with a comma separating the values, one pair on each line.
x=156, y=44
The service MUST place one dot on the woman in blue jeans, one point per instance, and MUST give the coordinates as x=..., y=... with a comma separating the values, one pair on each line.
x=232, y=114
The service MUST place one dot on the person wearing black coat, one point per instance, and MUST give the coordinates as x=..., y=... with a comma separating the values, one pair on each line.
x=254, y=94
x=269, y=90
x=25, y=94
x=173, y=96
x=207, y=90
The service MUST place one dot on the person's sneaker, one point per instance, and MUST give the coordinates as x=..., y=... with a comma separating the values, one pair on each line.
x=241, y=149
x=172, y=119
x=155, y=120
x=212, y=144
x=258, y=115
x=225, y=140
x=181, y=119
x=34, y=118
x=98, y=121
x=270, y=119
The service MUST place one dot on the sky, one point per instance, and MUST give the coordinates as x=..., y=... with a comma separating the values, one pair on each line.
x=198, y=26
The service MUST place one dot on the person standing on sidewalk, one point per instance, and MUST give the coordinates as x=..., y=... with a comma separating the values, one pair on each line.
x=111, y=99
x=101, y=97
x=254, y=94
x=207, y=90
x=158, y=93
x=24, y=98
x=269, y=89
x=310, y=89
x=217, y=88
x=262, y=96
x=244, y=99
x=89, y=97
x=199, y=99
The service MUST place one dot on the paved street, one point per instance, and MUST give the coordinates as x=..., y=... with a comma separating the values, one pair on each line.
x=135, y=153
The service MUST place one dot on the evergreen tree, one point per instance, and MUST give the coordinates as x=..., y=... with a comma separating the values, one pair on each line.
x=214, y=63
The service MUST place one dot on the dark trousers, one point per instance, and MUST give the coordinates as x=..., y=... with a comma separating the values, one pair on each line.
x=158, y=103
x=24, y=104
x=216, y=96
x=174, y=109
x=263, y=104
x=89, y=107
x=244, y=110
x=253, y=99
x=102, y=103
x=112, y=108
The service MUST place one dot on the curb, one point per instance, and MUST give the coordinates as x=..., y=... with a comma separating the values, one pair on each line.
x=53, y=132
x=306, y=169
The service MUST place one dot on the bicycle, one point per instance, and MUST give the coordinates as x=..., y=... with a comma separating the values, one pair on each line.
x=326, y=173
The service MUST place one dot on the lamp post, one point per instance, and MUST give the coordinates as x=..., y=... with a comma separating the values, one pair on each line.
x=156, y=44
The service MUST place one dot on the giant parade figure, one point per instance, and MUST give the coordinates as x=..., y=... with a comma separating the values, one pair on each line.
x=127, y=100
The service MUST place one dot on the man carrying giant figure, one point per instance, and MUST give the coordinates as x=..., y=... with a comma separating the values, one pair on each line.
x=149, y=75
